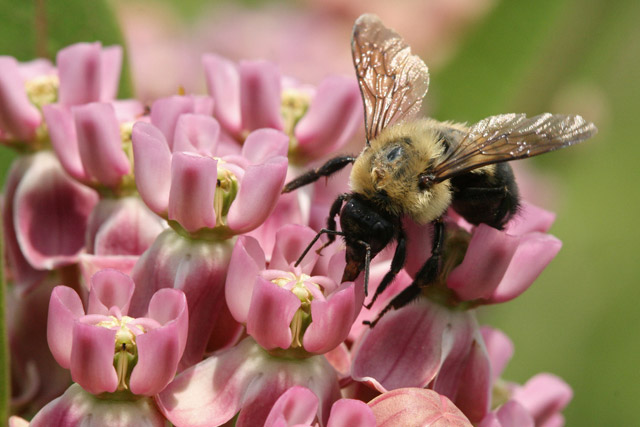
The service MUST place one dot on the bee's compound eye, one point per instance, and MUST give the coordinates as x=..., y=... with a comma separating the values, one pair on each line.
x=394, y=153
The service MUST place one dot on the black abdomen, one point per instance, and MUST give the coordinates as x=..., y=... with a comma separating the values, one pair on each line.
x=488, y=196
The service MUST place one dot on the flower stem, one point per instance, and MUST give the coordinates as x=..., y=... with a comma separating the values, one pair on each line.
x=5, y=392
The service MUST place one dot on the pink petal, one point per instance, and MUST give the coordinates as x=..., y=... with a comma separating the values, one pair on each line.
x=513, y=414
x=18, y=116
x=16, y=421
x=160, y=350
x=196, y=133
x=100, y=144
x=543, y=396
x=17, y=269
x=65, y=307
x=127, y=110
x=258, y=195
x=247, y=260
x=331, y=319
x=296, y=406
x=419, y=238
x=271, y=313
x=223, y=83
x=474, y=393
x=404, y=349
x=110, y=65
x=62, y=132
x=123, y=226
x=351, y=413
x=291, y=240
x=484, y=265
x=51, y=214
x=262, y=144
x=152, y=166
x=193, y=187
x=499, y=348
x=37, y=68
x=260, y=97
x=77, y=408
x=166, y=111
x=80, y=72
x=110, y=288
x=92, y=358
x=335, y=114
x=416, y=407
x=91, y=264
x=530, y=218
x=535, y=251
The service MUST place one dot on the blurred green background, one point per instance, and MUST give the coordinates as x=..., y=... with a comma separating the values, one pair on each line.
x=580, y=319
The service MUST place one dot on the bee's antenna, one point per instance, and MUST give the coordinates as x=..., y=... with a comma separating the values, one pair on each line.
x=315, y=239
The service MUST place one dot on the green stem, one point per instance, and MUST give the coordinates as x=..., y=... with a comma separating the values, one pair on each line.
x=5, y=392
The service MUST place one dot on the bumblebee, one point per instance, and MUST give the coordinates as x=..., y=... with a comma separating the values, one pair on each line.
x=419, y=167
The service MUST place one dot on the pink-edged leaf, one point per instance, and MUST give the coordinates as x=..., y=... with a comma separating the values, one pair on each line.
x=417, y=407
x=152, y=166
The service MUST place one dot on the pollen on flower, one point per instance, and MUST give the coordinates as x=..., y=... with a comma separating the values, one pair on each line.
x=295, y=104
x=125, y=349
x=42, y=90
x=226, y=191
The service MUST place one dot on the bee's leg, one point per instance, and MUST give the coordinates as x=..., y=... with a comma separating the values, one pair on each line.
x=426, y=275
x=332, y=166
x=410, y=293
x=431, y=267
x=330, y=231
x=397, y=263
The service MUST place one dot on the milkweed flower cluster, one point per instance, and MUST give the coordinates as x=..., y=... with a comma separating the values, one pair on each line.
x=152, y=262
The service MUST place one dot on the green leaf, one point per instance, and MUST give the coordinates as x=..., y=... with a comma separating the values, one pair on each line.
x=40, y=28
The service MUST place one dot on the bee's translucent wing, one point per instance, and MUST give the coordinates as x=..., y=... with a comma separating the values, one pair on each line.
x=509, y=137
x=392, y=80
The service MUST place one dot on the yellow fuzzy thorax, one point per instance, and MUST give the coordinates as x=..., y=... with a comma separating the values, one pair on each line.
x=387, y=170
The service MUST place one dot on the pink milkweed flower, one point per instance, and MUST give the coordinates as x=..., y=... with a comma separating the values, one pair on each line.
x=448, y=352
x=147, y=349
x=77, y=407
x=298, y=407
x=118, y=232
x=416, y=407
x=23, y=88
x=252, y=94
x=45, y=215
x=182, y=177
x=93, y=141
x=244, y=380
x=536, y=403
x=285, y=307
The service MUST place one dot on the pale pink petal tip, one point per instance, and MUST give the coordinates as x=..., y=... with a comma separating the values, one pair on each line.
x=262, y=144
x=152, y=166
x=65, y=307
x=62, y=132
x=260, y=95
x=416, y=406
x=296, y=406
x=223, y=83
x=258, y=194
x=351, y=413
x=544, y=396
x=246, y=262
x=110, y=288
x=18, y=117
x=193, y=188
x=499, y=348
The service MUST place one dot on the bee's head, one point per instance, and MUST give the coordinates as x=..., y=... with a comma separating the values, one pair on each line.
x=364, y=224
